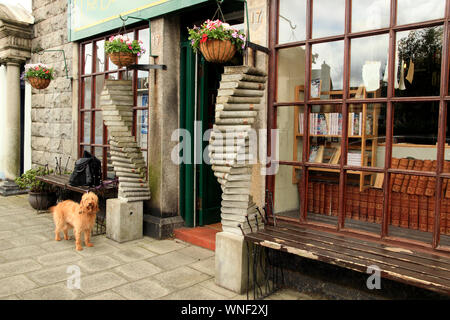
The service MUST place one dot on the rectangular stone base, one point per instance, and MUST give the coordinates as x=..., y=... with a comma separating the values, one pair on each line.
x=124, y=220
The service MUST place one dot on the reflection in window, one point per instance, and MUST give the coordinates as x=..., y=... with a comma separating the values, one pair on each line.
x=410, y=11
x=292, y=21
x=287, y=192
x=369, y=57
x=87, y=58
x=87, y=93
x=370, y=14
x=418, y=62
x=328, y=18
x=100, y=63
x=327, y=70
x=290, y=133
x=291, y=73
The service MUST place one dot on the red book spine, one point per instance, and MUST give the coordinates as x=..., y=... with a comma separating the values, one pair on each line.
x=310, y=196
x=431, y=214
x=348, y=202
x=363, y=204
x=422, y=184
x=395, y=209
x=413, y=211
x=322, y=199
x=371, y=199
x=413, y=180
x=398, y=179
x=355, y=207
x=379, y=206
x=334, y=199
x=407, y=177
x=423, y=213
x=327, y=207
x=394, y=165
x=404, y=210
x=316, y=197
x=431, y=183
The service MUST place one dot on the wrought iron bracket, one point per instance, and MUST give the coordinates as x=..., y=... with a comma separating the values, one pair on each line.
x=257, y=47
x=147, y=67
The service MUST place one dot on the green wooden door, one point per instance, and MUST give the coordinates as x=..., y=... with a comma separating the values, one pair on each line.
x=203, y=188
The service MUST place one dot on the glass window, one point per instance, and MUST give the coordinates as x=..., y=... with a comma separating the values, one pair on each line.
x=87, y=59
x=370, y=14
x=327, y=70
x=100, y=63
x=411, y=11
x=291, y=74
x=290, y=133
x=292, y=21
x=328, y=18
x=418, y=62
x=322, y=196
x=287, y=192
x=369, y=66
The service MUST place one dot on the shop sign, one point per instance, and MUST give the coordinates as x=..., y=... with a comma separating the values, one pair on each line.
x=90, y=17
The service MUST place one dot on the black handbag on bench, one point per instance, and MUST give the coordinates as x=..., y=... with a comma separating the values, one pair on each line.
x=87, y=171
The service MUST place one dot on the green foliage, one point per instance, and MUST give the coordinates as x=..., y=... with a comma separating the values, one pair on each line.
x=38, y=70
x=28, y=180
x=216, y=30
x=122, y=43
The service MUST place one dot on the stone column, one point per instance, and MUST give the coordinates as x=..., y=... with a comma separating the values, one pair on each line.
x=12, y=121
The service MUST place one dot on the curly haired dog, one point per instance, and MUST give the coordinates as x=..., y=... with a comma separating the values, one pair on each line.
x=81, y=217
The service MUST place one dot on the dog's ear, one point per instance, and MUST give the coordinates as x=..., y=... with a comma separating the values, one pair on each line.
x=82, y=206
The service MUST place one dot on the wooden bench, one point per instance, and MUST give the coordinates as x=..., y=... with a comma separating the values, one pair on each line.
x=65, y=191
x=418, y=268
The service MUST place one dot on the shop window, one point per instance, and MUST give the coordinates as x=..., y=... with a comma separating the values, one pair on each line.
x=291, y=74
x=287, y=192
x=290, y=132
x=95, y=68
x=413, y=11
x=370, y=14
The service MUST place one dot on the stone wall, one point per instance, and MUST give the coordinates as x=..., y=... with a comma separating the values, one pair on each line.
x=52, y=134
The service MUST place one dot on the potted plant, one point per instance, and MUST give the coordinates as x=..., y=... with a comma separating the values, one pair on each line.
x=122, y=51
x=40, y=194
x=38, y=75
x=217, y=41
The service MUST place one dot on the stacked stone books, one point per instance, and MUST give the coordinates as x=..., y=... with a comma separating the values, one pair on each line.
x=241, y=89
x=116, y=101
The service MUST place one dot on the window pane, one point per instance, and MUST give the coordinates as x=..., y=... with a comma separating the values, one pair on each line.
x=87, y=93
x=142, y=128
x=290, y=133
x=328, y=18
x=287, y=192
x=325, y=130
x=418, y=62
x=444, y=225
x=87, y=58
x=145, y=58
x=410, y=11
x=292, y=21
x=363, y=205
x=366, y=129
x=99, y=83
x=327, y=70
x=323, y=196
x=370, y=14
x=87, y=127
x=113, y=76
x=291, y=74
x=100, y=63
x=369, y=72
x=415, y=134
x=98, y=127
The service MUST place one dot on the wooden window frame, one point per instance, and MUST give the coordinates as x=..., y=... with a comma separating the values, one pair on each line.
x=389, y=101
x=91, y=145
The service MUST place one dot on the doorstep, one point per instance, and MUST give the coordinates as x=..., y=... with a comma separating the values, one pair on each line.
x=204, y=237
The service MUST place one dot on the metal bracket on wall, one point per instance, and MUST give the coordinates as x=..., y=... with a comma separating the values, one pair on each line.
x=147, y=67
x=64, y=56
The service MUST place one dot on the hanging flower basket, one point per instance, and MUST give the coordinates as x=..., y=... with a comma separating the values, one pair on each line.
x=218, y=51
x=122, y=51
x=217, y=41
x=38, y=75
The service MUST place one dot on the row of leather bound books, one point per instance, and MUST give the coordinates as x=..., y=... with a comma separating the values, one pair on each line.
x=406, y=210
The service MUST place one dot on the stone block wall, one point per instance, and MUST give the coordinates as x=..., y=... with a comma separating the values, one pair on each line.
x=52, y=134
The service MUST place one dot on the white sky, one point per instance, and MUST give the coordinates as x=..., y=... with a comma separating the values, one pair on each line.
x=24, y=3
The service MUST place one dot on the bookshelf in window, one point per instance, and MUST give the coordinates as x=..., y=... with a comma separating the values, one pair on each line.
x=326, y=127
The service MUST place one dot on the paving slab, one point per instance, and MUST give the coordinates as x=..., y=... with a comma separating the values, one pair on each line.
x=197, y=252
x=59, y=258
x=52, y=275
x=171, y=260
x=100, y=282
x=97, y=263
x=147, y=289
x=133, y=253
x=6, y=244
x=53, y=292
x=22, y=252
x=211, y=285
x=7, y=234
x=206, y=266
x=107, y=295
x=17, y=284
x=196, y=292
x=181, y=277
x=18, y=267
x=137, y=270
x=163, y=246
x=28, y=240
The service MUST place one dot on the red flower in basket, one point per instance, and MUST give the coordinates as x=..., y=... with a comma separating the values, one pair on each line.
x=204, y=38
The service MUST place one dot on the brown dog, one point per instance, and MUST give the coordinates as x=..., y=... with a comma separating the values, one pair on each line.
x=81, y=217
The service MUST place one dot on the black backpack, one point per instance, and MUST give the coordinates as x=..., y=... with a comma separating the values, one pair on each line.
x=87, y=171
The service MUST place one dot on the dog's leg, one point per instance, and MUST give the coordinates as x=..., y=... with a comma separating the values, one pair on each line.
x=66, y=233
x=77, y=233
x=57, y=237
x=87, y=238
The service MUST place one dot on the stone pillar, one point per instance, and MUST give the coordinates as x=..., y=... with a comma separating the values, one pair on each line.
x=161, y=212
x=12, y=121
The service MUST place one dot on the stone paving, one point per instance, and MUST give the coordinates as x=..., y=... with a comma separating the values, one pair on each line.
x=35, y=266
